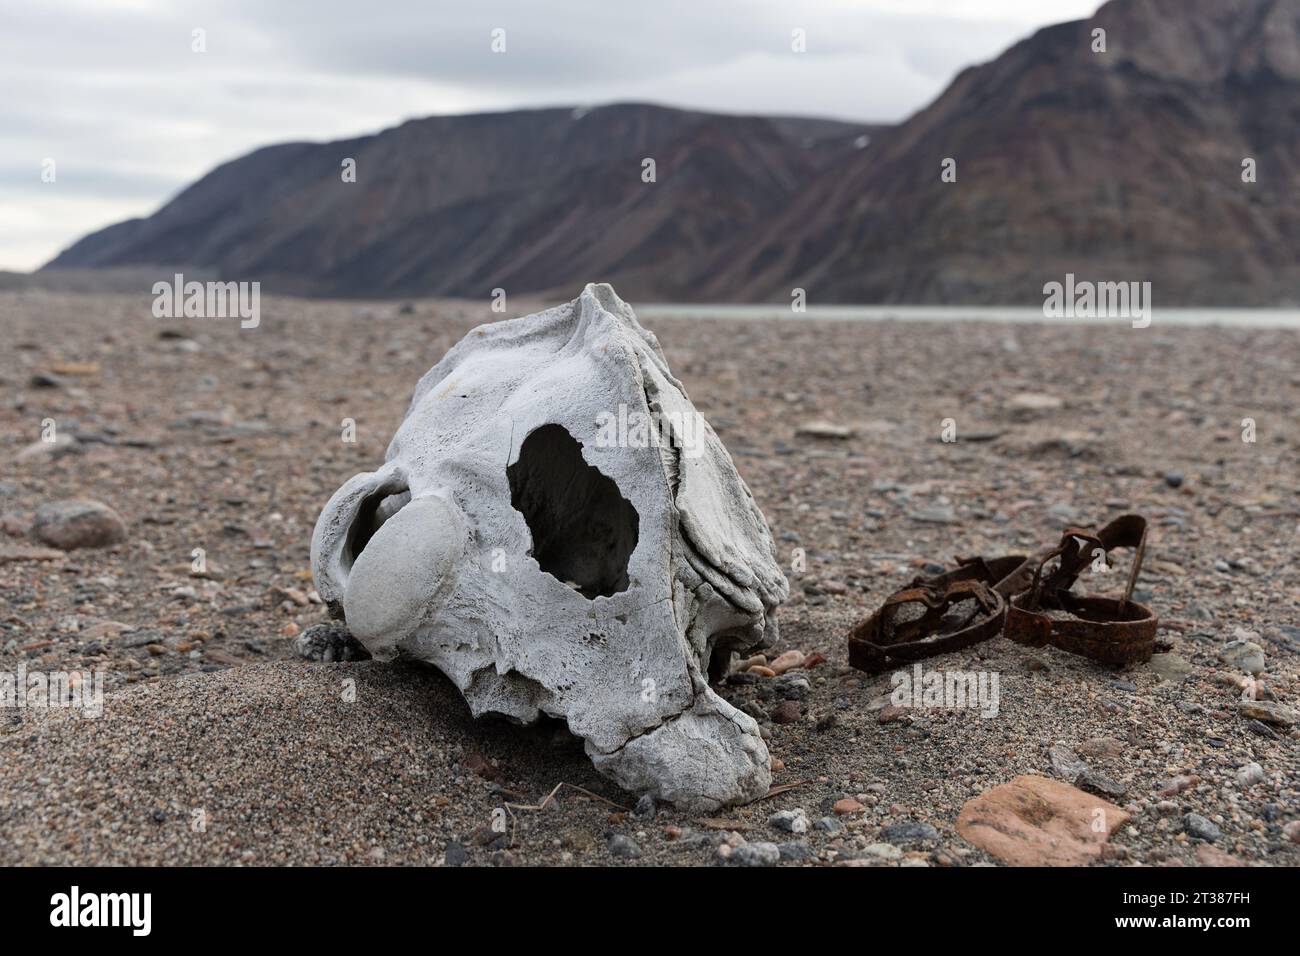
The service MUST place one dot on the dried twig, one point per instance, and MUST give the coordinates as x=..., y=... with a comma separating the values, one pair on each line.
x=781, y=789
x=548, y=799
x=717, y=823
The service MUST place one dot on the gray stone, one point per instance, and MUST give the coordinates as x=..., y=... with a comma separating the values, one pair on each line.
x=1243, y=656
x=1250, y=775
x=791, y=821
x=455, y=854
x=42, y=450
x=1200, y=828
x=796, y=851
x=531, y=536
x=882, y=851
x=1268, y=712
x=78, y=523
x=623, y=847
x=756, y=854
x=909, y=831
x=792, y=686
x=1066, y=763
x=936, y=514
x=1170, y=667
x=1092, y=781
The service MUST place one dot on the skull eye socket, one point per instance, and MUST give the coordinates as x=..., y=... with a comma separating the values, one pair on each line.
x=584, y=531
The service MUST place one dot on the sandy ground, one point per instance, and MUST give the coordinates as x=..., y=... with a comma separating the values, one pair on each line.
x=219, y=745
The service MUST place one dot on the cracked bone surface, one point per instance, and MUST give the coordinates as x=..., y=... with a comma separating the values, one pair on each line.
x=559, y=531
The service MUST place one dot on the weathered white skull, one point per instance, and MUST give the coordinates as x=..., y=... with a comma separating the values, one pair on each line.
x=528, y=536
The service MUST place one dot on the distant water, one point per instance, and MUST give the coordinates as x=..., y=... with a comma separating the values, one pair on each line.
x=1235, y=318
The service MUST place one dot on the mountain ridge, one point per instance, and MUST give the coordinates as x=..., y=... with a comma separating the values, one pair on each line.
x=458, y=205
x=1119, y=165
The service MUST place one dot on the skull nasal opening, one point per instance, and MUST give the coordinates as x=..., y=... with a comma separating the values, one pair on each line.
x=584, y=530
x=377, y=508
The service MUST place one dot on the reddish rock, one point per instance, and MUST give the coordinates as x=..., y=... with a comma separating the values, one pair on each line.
x=1207, y=855
x=476, y=763
x=787, y=712
x=104, y=629
x=787, y=662
x=891, y=714
x=1178, y=785
x=1034, y=821
x=846, y=806
x=1101, y=747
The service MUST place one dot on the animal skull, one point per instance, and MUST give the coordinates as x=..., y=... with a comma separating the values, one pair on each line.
x=532, y=539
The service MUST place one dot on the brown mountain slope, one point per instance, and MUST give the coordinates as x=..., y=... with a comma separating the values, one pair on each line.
x=1124, y=165
x=527, y=200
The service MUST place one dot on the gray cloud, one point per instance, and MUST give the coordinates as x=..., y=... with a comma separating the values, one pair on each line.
x=113, y=92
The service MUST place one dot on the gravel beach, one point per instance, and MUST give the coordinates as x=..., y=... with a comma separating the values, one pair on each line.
x=219, y=744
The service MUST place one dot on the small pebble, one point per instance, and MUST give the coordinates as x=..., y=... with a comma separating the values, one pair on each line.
x=1199, y=827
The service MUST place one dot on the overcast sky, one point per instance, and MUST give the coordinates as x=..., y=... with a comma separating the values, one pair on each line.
x=112, y=91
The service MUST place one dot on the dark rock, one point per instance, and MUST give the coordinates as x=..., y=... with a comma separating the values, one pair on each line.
x=755, y=854
x=909, y=831
x=455, y=854
x=1100, y=784
x=795, y=851
x=328, y=643
x=793, y=686
x=1200, y=828
x=787, y=712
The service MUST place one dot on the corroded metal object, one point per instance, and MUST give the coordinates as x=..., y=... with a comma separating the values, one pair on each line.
x=1019, y=597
